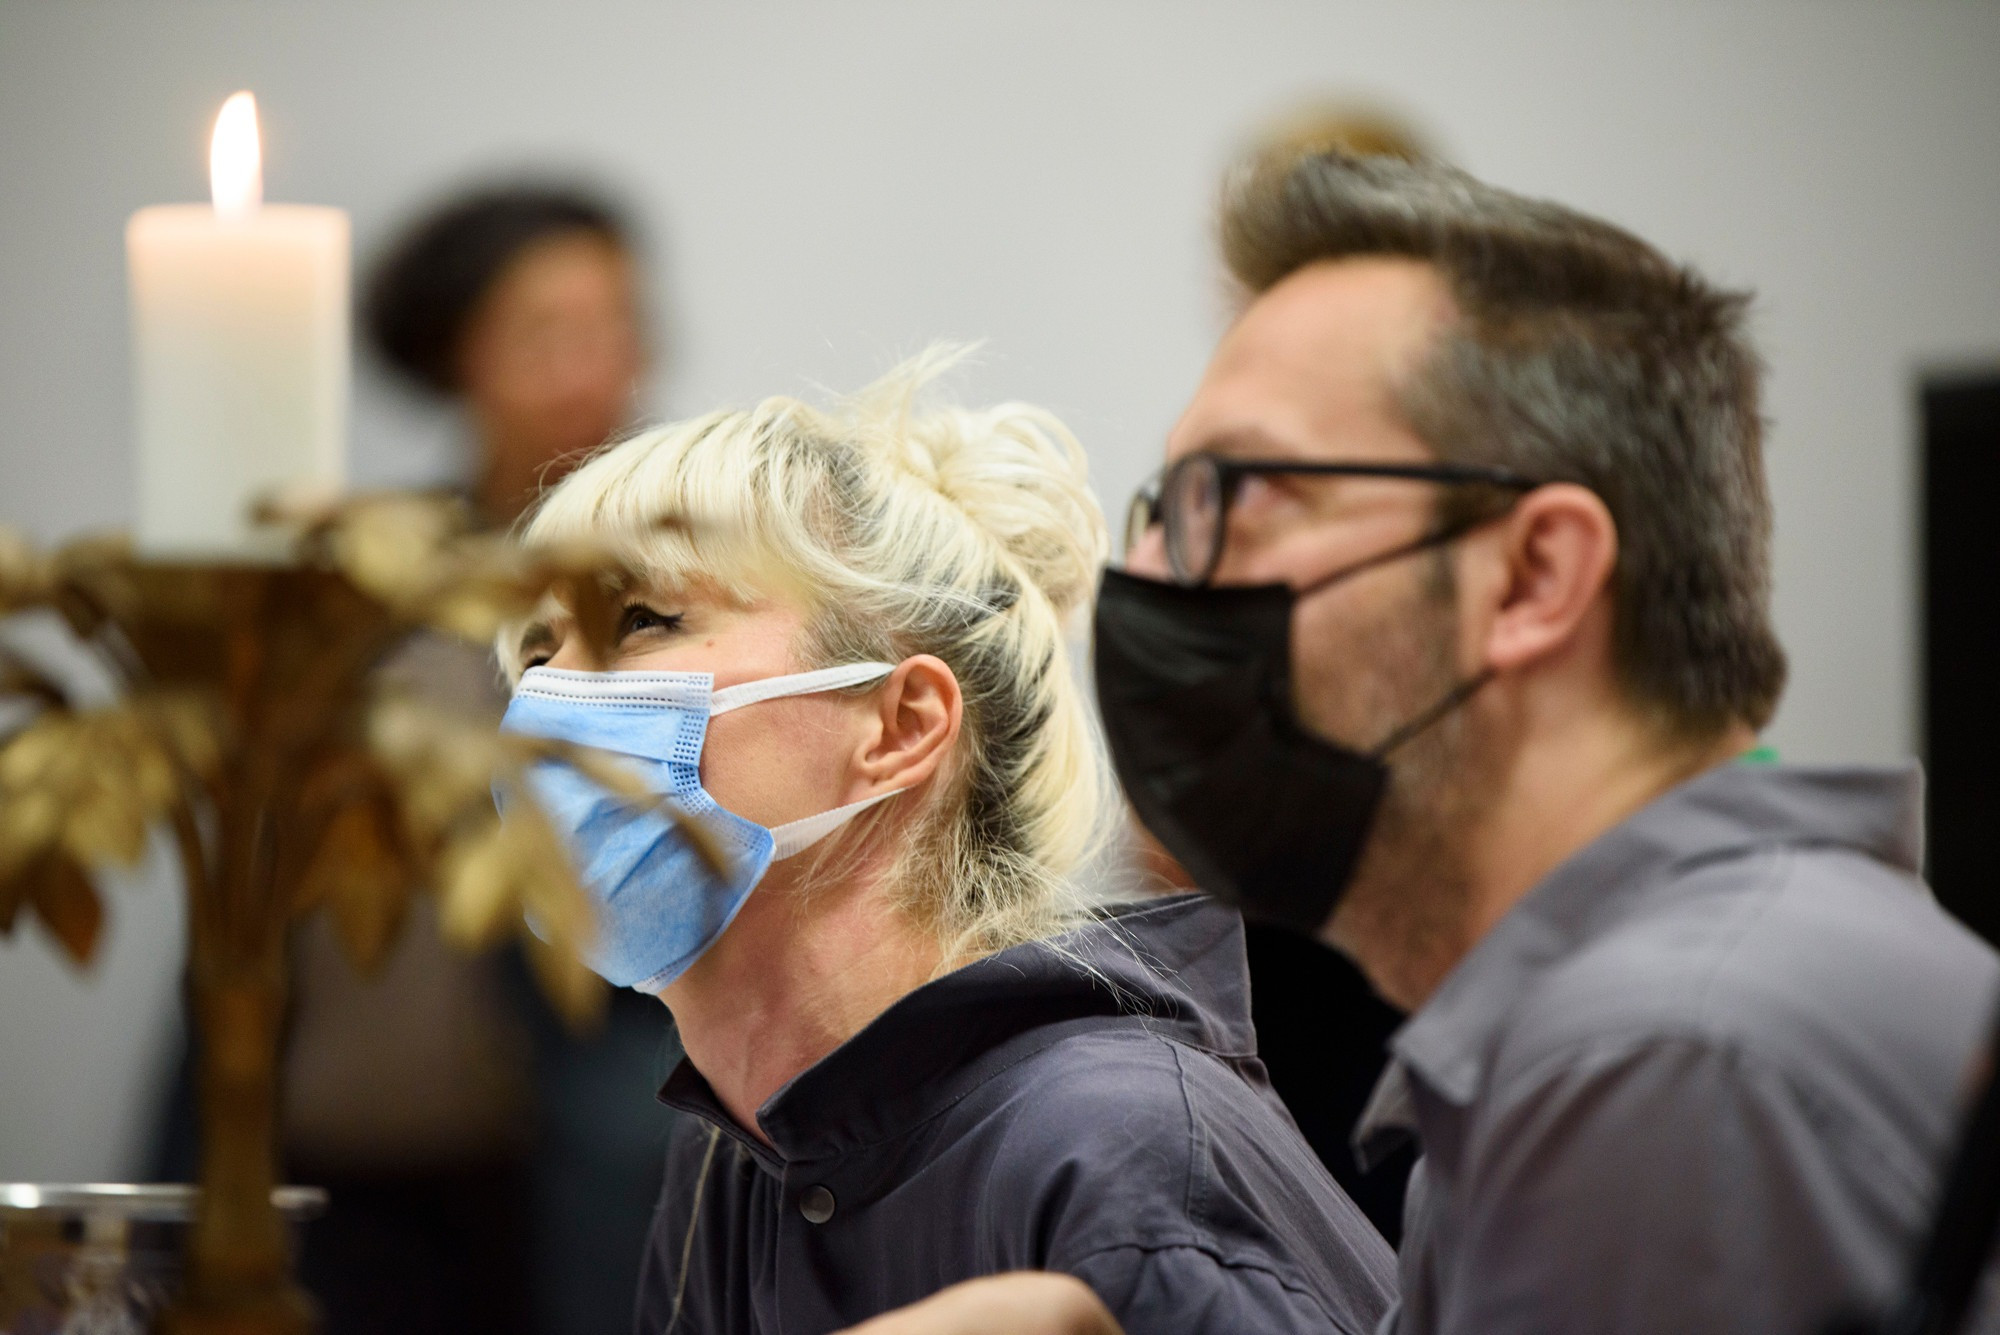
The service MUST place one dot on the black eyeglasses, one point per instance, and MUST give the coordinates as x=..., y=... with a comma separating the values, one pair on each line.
x=1193, y=495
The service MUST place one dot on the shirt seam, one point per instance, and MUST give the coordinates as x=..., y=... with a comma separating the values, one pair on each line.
x=1194, y=1196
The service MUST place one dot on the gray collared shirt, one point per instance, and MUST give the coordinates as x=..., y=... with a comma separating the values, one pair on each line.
x=1700, y=1079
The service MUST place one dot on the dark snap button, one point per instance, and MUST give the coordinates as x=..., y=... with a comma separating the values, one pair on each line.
x=816, y=1205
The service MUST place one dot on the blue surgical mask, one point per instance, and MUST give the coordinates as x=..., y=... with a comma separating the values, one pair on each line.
x=659, y=905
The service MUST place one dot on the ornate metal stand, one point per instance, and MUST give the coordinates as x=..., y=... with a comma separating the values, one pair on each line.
x=253, y=730
x=286, y=652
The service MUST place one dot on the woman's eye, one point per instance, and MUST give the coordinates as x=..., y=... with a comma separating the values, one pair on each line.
x=637, y=617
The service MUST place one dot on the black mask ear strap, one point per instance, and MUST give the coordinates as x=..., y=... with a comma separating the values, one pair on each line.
x=1437, y=537
x=1451, y=700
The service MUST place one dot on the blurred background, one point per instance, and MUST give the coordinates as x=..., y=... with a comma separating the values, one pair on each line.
x=816, y=190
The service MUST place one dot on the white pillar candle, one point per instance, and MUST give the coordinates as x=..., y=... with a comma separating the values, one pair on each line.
x=240, y=352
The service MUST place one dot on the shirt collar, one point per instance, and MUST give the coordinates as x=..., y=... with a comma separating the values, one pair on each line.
x=1733, y=808
x=1174, y=966
x=688, y=1091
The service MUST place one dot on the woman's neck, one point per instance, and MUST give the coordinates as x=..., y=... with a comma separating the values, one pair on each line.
x=792, y=979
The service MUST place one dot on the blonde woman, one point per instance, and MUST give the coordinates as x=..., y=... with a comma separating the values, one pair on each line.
x=914, y=1055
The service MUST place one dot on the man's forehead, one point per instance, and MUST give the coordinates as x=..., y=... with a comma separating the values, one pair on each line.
x=1309, y=367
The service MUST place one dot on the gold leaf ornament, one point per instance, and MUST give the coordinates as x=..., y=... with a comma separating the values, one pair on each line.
x=497, y=875
x=79, y=579
x=62, y=897
x=492, y=876
x=479, y=583
x=568, y=982
x=513, y=877
x=78, y=781
x=22, y=683
x=362, y=874
x=27, y=578
x=441, y=767
x=79, y=790
x=389, y=545
x=190, y=726
x=418, y=555
x=618, y=778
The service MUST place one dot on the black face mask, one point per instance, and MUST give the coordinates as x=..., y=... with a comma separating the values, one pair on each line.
x=1195, y=688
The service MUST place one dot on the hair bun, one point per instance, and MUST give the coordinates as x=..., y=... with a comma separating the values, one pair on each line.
x=1013, y=469
x=1018, y=473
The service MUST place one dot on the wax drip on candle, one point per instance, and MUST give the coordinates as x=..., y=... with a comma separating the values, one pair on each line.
x=236, y=159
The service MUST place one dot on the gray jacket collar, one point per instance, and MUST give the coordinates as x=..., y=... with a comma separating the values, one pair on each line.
x=1732, y=809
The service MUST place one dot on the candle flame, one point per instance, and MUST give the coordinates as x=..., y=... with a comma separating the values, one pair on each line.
x=235, y=159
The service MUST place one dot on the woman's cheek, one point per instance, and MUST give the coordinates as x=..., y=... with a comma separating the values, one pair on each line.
x=765, y=762
x=722, y=761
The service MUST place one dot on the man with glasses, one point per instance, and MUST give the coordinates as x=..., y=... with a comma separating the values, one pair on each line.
x=1445, y=635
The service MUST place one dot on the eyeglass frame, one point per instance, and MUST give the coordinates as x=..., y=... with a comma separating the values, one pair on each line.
x=1230, y=472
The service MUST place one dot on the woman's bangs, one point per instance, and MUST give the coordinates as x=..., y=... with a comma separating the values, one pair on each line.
x=683, y=505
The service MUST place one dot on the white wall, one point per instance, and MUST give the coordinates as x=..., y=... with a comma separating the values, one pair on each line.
x=836, y=184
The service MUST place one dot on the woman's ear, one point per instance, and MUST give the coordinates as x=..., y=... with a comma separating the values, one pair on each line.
x=915, y=724
x=1556, y=549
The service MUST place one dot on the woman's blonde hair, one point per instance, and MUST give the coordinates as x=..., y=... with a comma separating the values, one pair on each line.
x=971, y=535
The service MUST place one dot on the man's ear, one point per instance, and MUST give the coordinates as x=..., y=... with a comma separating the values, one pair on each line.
x=916, y=718
x=1557, y=548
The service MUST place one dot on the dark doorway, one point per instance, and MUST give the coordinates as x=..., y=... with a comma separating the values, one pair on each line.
x=1961, y=642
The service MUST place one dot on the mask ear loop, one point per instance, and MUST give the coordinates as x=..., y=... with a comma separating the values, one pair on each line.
x=1449, y=701
x=1458, y=694
x=796, y=683
x=1435, y=538
x=795, y=837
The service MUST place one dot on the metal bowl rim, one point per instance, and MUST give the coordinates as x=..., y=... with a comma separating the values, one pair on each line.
x=169, y=1201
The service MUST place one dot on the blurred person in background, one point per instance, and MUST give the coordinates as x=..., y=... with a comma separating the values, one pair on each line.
x=488, y=1170
x=520, y=304
x=1355, y=127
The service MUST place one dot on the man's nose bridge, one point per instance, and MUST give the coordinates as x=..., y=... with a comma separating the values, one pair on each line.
x=1148, y=556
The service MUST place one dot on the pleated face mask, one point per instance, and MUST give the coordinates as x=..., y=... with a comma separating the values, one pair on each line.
x=659, y=904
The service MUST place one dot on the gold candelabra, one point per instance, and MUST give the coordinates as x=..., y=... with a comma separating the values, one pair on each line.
x=253, y=729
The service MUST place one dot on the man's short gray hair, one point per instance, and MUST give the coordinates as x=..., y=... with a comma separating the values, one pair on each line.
x=1583, y=355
